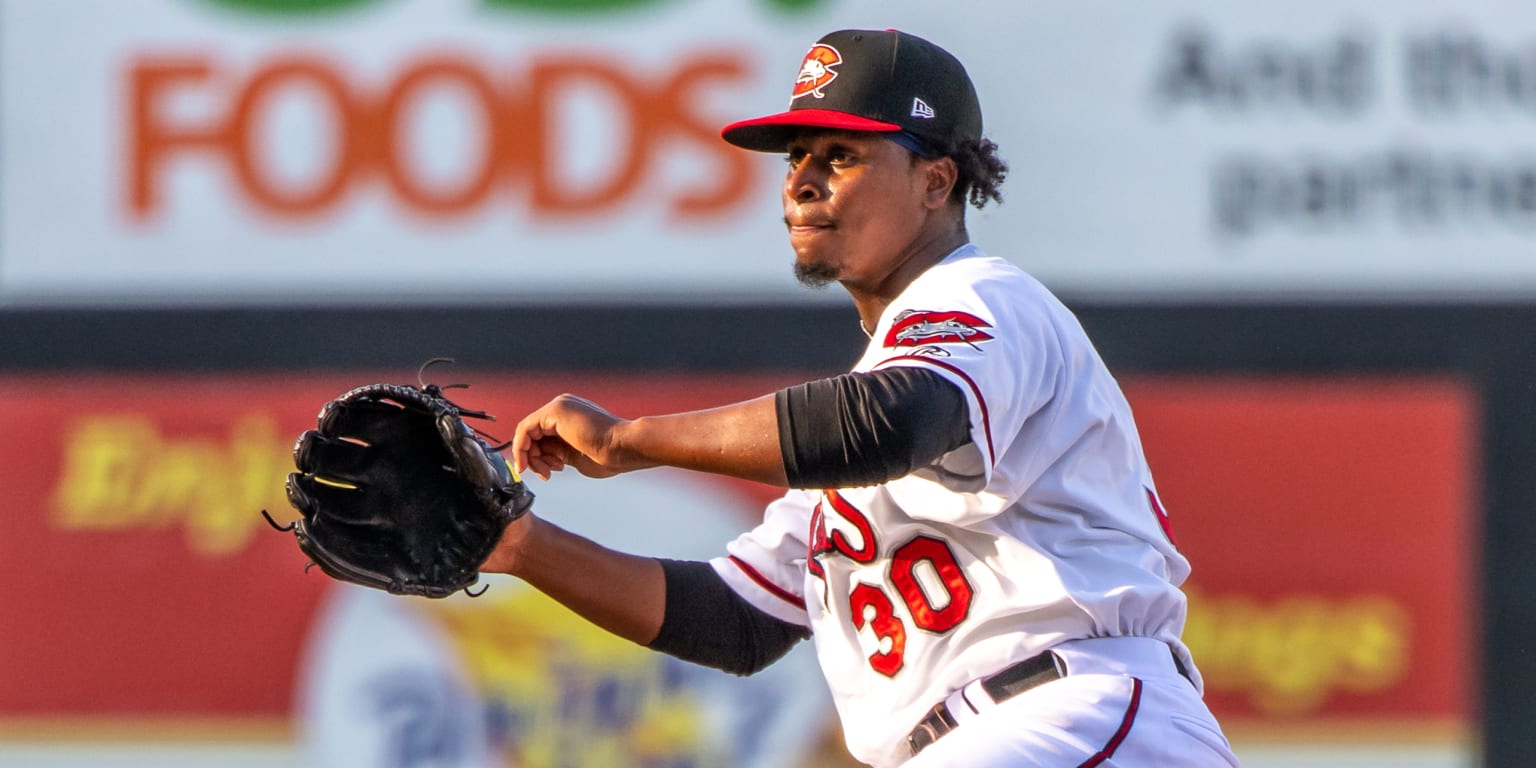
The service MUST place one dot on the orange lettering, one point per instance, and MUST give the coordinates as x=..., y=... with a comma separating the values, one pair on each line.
x=549, y=80
x=678, y=96
x=261, y=87
x=151, y=137
x=474, y=189
x=524, y=137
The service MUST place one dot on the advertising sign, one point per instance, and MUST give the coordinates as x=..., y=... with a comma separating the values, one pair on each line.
x=1329, y=521
x=152, y=600
x=1332, y=525
x=196, y=151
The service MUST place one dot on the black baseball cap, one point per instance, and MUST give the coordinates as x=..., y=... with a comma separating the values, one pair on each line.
x=872, y=80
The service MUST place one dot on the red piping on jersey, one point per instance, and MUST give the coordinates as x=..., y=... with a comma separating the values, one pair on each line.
x=1125, y=727
x=1162, y=516
x=986, y=419
x=762, y=581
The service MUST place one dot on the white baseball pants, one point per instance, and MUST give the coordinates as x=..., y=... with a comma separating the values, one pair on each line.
x=1123, y=704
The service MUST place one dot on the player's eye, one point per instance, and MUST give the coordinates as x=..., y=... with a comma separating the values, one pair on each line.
x=842, y=156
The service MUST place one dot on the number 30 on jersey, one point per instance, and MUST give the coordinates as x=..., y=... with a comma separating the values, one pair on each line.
x=924, y=576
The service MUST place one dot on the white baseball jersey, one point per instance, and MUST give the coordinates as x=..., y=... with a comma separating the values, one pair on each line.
x=1045, y=528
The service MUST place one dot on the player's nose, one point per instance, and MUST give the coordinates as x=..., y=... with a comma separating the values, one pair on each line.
x=805, y=183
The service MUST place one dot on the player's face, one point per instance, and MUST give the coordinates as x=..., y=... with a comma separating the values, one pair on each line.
x=854, y=205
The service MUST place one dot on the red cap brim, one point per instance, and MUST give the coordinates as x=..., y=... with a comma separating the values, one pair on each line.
x=772, y=133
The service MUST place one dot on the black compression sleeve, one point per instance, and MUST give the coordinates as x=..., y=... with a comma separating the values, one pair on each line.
x=707, y=623
x=867, y=428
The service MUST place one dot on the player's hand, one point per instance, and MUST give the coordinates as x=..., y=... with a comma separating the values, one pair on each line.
x=570, y=431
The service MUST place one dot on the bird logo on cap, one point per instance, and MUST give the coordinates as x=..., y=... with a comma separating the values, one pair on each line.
x=816, y=71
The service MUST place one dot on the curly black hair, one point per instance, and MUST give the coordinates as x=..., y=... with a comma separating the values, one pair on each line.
x=981, y=172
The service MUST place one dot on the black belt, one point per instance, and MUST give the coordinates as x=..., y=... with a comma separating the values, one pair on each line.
x=1006, y=684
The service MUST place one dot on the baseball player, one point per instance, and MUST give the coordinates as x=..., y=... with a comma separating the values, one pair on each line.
x=970, y=534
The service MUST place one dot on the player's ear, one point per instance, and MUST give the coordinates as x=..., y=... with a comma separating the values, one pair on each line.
x=939, y=176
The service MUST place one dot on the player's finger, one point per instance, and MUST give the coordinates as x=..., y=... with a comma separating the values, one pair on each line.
x=538, y=459
x=540, y=465
x=548, y=455
x=555, y=452
x=524, y=437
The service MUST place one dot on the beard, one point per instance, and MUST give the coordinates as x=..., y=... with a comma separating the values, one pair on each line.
x=815, y=275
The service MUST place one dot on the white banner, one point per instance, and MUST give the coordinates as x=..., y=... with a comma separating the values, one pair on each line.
x=369, y=151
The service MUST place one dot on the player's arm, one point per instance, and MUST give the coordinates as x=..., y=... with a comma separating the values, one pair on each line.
x=739, y=440
x=622, y=593
x=849, y=430
x=681, y=608
x=867, y=428
x=844, y=431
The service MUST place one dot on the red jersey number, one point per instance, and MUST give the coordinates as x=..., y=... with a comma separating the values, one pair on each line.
x=931, y=584
x=890, y=633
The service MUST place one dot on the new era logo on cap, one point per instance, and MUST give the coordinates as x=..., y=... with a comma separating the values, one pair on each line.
x=867, y=80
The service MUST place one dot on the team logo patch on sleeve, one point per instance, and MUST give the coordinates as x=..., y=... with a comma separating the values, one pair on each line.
x=915, y=328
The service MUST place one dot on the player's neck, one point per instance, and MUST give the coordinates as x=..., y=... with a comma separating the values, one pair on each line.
x=871, y=301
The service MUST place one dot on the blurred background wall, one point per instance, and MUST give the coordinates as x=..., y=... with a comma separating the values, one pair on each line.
x=1303, y=234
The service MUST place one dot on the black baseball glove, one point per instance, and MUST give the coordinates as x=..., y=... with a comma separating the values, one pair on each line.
x=398, y=493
